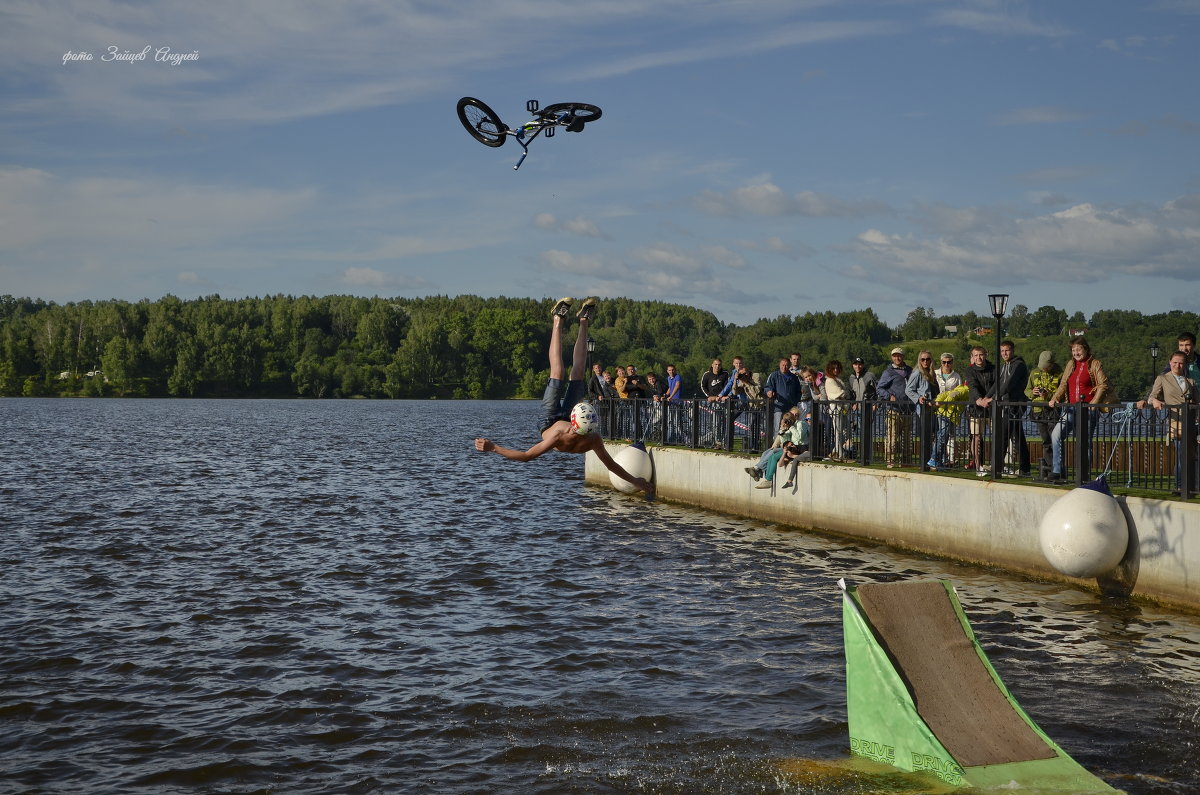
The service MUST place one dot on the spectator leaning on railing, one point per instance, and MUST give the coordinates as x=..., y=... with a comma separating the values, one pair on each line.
x=1043, y=383
x=1083, y=381
x=1171, y=390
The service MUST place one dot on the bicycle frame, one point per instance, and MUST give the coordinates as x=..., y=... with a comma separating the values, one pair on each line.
x=538, y=126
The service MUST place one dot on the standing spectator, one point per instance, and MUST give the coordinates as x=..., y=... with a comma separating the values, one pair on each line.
x=947, y=416
x=1083, y=381
x=635, y=387
x=619, y=383
x=1043, y=382
x=794, y=364
x=623, y=416
x=892, y=387
x=654, y=392
x=862, y=385
x=921, y=387
x=861, y=381
x=712, y=381
x=1013, y=378
x=1172, y=389
x=711, y=384
x=783, y=388
x=947, y=377
x=596, y=383
x=834, y=390
x=981, y=391
x=739, y=390
x=674, y=399
x=1187, y=346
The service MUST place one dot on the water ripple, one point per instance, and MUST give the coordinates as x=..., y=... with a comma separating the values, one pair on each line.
x=263, y=596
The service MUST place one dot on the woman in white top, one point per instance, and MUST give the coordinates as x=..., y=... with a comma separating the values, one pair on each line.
x=834, y=389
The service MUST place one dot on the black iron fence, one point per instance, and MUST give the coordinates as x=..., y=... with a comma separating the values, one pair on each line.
x=1138, y=448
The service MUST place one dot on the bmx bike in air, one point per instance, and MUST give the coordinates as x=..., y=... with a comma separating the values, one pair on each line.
x=485, y=126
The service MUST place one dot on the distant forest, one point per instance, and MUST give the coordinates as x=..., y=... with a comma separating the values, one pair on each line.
x=472, y=347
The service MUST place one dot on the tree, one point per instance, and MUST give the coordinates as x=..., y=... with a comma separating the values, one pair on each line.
x=919, y=325
x=1018, y=321
x=1047, y=321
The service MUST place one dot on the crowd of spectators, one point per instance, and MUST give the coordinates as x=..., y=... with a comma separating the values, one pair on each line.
x=904, y=393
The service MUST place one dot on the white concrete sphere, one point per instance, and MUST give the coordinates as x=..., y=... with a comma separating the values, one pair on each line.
x=634, y=460
x=1084, y=533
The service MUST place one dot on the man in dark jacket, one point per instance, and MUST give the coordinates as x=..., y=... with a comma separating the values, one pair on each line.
x=893, y=387
x=1014, y=377
x=980, y=379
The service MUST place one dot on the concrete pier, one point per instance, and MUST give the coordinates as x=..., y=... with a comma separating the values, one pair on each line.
x=975, y=521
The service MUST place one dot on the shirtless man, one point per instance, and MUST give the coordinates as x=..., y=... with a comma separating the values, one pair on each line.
x=558, y=430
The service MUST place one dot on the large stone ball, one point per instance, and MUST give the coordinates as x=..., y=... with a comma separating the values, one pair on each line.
x=636, y=461
x=1084, y=533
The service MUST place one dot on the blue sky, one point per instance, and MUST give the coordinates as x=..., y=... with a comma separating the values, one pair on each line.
x=754, y=158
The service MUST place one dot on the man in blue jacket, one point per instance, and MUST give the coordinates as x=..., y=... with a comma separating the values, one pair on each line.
x=783, y=388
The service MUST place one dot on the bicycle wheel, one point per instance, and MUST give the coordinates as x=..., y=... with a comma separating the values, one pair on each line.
x=577, y=111
x=481, y=122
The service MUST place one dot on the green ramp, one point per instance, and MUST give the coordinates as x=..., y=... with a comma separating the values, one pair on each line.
x=921, y=695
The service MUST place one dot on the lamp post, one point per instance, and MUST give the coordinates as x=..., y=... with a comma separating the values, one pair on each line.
x=591, y=348
x=999, y=304
x=1153, y=360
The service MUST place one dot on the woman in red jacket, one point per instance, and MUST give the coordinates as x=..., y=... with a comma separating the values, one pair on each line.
x=1083, y=381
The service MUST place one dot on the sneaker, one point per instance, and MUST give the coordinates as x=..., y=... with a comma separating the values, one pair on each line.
x=588, y=310
x=982, y=472
x=788, y=485
x=766, y=484
x=1008, y=472
x=562, y=307
x=754, y=472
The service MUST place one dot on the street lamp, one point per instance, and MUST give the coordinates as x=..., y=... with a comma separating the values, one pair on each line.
x=1153, y=359
x=999, y=303
x=591, y=348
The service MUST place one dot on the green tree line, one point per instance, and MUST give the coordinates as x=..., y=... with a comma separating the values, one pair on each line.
x=473, y=347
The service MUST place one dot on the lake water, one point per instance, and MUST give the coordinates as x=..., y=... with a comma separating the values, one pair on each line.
x=317, y=597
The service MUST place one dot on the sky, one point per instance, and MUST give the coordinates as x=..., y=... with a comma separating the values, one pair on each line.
x=755, y=159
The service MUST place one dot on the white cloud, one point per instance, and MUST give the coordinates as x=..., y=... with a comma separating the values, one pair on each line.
x=578, y=226
x=1081, y=244
x=657, y=271
x=777, y=245
x=371, y=278
x=39, y=209
x=768, y=199
x=996, y=17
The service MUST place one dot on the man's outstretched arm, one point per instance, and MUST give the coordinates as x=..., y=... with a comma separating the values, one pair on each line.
x=618, y=470
x=488, y=446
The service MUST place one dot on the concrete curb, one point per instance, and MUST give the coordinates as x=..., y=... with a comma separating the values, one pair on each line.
x=980, y=522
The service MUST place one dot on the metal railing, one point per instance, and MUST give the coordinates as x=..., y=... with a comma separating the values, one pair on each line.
x=1137, y=448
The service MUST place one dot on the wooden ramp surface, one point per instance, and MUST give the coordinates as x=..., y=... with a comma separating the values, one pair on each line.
x=953, y=690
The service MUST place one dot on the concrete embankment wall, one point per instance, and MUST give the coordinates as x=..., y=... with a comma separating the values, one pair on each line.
x=976, y=521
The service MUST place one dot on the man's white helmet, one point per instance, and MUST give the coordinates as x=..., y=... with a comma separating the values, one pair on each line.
x=584, y=418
